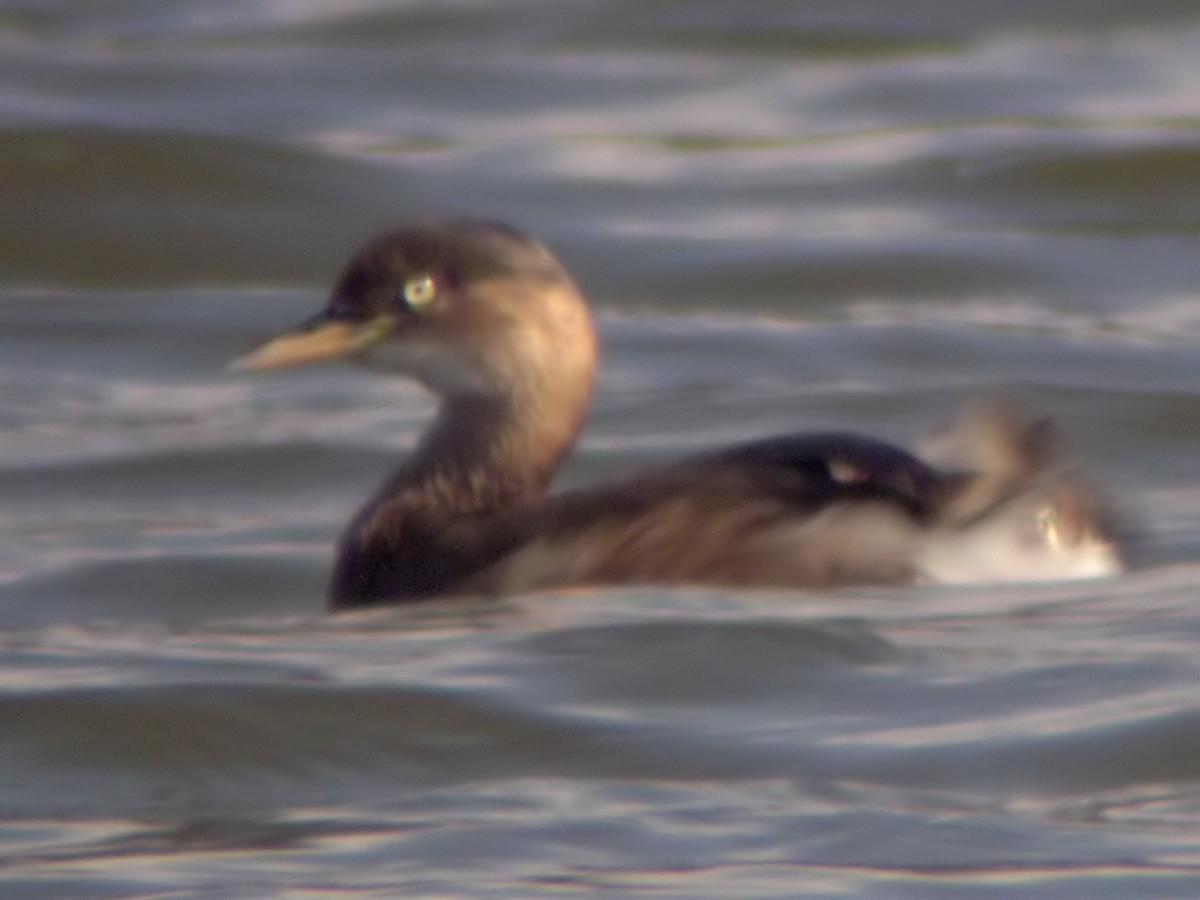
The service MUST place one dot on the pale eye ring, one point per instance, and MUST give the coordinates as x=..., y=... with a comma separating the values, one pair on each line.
x=419, y=291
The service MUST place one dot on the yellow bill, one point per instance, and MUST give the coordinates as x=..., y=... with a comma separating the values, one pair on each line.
x=327, y=340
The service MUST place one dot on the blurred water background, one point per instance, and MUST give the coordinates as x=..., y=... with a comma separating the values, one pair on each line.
x=787, y=215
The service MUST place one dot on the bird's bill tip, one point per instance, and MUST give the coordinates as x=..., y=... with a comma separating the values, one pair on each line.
x=311, y=344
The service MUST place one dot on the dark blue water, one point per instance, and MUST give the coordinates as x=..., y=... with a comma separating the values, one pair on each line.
x=787, y=216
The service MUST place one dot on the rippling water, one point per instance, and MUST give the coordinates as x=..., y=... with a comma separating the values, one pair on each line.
x=788, y=216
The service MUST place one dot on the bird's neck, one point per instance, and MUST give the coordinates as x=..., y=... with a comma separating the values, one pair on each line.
x=482, y=455
x=459, y=501
x=438, y=519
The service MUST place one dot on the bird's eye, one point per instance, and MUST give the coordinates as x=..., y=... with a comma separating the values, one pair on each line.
x=418, y=292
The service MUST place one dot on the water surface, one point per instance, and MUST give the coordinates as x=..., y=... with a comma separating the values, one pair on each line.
x=787, y=216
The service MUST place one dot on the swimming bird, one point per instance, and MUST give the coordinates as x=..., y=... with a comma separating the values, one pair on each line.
x=488, y=319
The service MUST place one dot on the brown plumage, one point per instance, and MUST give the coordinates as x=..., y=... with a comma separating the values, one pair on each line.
x=485, y=317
